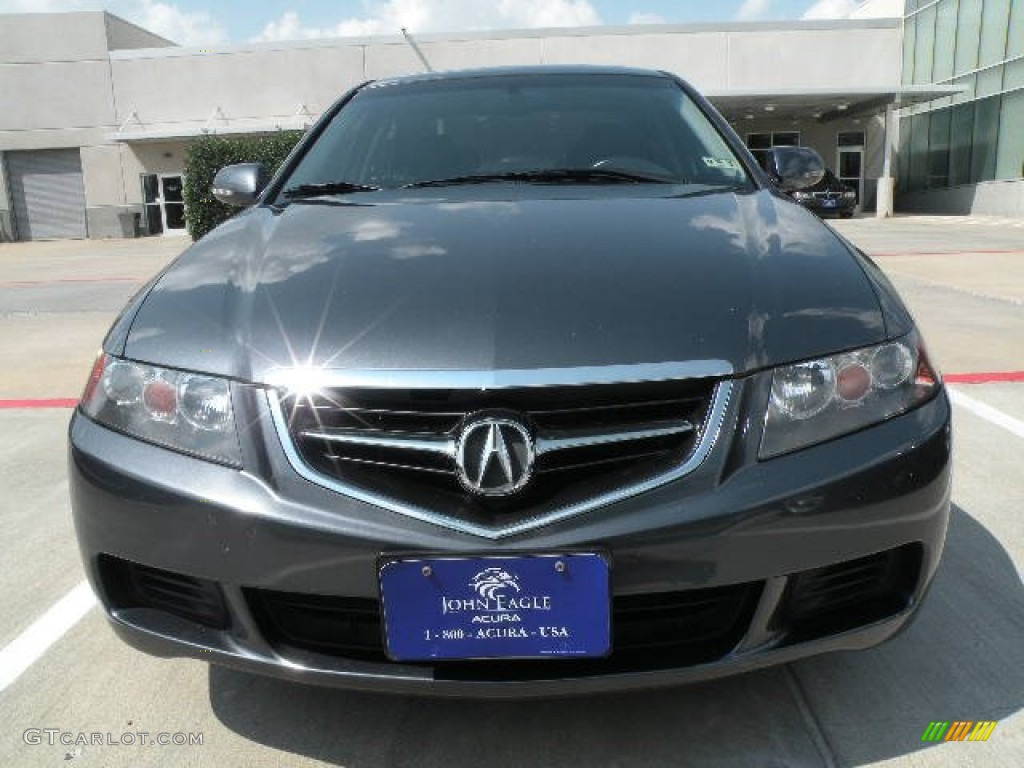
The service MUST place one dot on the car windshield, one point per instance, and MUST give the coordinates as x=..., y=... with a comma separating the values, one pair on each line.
x=516, y=128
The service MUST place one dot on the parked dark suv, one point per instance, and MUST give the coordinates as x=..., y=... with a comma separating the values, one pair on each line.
x=828, y=197
x=513, y=382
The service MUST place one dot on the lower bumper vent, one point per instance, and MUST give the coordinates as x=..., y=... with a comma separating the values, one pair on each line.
x=839, y=597
x=649, y=632
x=130, y=585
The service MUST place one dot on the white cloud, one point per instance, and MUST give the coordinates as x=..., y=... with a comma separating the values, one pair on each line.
x=40, y=6
x=164, y=19
x=288, y=27
x=831, y=9
x=646, y=18
x=389, y=16
x=752, y=10
x=167, y=20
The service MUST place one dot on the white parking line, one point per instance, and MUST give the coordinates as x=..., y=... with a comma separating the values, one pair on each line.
x=26, y=649
x=987, y=412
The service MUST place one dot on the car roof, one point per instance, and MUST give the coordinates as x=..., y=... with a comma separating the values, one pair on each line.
x=518, y=71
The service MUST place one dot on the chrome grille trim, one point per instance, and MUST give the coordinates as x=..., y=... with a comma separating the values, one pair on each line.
x=720, y=400
x=447, y=447
x=444, y=446
x=550, y=444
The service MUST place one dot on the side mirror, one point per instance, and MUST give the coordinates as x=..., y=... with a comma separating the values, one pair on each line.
x=239, y=184
x=793, y=168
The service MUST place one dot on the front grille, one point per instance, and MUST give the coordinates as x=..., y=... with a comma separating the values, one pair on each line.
x=130, y=585
x=652, y=631
x=402, y=444
x=838, y=597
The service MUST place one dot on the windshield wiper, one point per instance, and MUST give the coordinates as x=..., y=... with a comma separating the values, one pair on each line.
x=553, y=176
x=327, y=188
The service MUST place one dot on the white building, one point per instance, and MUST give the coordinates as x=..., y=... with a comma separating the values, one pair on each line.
x=97, y=113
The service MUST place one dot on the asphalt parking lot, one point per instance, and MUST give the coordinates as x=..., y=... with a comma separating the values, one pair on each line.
x=63, y=673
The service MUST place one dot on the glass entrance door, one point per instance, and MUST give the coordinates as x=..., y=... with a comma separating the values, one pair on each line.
x=850, y=169
x=172, y=203
x=164, y=201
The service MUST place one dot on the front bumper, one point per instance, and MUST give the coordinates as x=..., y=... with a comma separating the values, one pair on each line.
x=820, y=207
x=734, y=521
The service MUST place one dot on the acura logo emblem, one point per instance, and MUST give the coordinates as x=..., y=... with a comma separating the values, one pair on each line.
x=495, y=456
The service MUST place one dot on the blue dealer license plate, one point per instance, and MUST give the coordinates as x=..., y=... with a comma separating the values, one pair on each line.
x=530, y=606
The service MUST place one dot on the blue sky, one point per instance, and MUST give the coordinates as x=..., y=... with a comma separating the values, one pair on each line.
x=200, y=22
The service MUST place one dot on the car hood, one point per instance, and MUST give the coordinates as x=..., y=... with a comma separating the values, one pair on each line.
x=442, y=283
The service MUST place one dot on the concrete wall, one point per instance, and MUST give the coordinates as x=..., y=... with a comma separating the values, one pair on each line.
x=55, y=81
x=741, y=57
x=184, y=90
x=97, y=73
x=51, y=37
x=990, y=198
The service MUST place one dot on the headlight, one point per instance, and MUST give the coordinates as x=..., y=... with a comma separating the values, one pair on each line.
x=187, y=412
x=817, y=400
x=849, y=194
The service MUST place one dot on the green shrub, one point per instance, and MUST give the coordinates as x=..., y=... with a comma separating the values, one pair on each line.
x=209, y=154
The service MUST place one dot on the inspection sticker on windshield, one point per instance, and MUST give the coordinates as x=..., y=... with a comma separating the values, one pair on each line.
x=721, y=162
x=531, y=606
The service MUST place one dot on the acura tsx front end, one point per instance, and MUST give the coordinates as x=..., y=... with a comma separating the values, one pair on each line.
x=512, y=382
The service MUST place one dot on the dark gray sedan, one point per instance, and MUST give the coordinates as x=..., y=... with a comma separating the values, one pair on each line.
x=513, y=383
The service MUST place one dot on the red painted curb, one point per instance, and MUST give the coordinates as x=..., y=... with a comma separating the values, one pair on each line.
x=983, y=378
x=55, y=402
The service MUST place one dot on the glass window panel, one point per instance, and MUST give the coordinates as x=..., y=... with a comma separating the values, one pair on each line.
x=759, y=140
x=786, y=139
x=850, y=164
x=903, y=164
x=945, y=40
x=994, y=21
x=172, y=189
x=150, y=188
x=968, y=32
x=1010, y=157
x=989, y=81
x=986, y=133
x=967, y=83
x=961, y=135
x=175, y=215
x=909, y=40
x=919, y=151
x=1013, y=76
x=154, y=221
x=1015, y=34
x=924, y=47
x=938, y=149
x=850, y=139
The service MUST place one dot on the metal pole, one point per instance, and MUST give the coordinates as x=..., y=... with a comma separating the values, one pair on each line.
x=416, y=48
x=886, y=184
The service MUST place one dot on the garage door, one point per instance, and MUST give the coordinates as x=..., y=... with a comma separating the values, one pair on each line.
x=47, y=193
